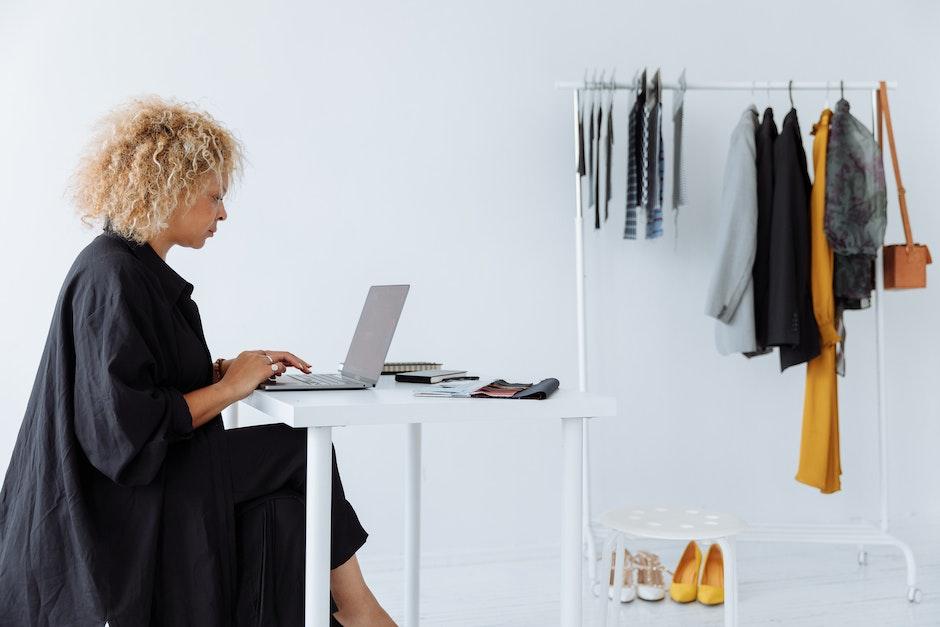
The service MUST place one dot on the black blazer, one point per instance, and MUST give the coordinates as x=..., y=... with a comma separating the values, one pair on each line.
x=766, y=137
x=791, y=324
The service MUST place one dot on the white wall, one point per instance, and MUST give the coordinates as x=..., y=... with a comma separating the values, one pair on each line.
x=424, y=142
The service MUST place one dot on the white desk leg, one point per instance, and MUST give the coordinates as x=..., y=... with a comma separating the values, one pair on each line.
x=412, y=523
x=318, y=501
x=571, y=524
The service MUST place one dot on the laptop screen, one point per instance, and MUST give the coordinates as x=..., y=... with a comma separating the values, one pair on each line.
x=374, y=332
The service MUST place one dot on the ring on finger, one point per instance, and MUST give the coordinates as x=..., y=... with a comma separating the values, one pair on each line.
x=273, y=367
x=269, y=357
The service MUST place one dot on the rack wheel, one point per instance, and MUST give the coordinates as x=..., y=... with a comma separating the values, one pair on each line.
x=863, y=558
x=914, y=595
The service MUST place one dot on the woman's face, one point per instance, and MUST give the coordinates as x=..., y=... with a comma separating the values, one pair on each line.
x=193, y=226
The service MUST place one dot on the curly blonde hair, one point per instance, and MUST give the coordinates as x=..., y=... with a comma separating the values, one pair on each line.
x=147, y=157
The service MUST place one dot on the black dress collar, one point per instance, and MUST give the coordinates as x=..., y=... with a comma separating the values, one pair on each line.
x=172, y=283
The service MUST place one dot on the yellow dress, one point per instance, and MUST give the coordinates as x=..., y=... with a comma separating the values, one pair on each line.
x=820, y=465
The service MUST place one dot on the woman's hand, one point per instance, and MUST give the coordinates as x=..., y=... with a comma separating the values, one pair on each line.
x=244, y=373
x=239, y=377
x=287, y=359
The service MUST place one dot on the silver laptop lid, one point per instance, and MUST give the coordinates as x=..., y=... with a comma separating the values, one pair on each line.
x=373, y=336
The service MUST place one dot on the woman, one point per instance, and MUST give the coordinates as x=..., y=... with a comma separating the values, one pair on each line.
x=126, y=500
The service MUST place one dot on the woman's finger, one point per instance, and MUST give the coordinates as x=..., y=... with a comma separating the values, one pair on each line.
x=300, y=360
x=297, y=362
x=290, y=359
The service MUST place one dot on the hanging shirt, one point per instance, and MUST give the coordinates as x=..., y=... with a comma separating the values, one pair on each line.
x=582, y=168
x=597, y=167
x=599, y=171
x=820, y=464
x=790, y=321
x=580, y=157
x=766, y=136
x=645, y=154
x=678, y=166
x=635, y=160
x=856, y=201
x=590, y=165
x=731, y=292
x=655, y=162
x=113, y=507
x=609, y=157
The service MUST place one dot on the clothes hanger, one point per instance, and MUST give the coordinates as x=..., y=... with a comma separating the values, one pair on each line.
x=790, y=89
x=658, y=85
x=582, y=96
x=590, y=89
x=826, y=106
x=678, y=96
x=584, y=84
x=611, y=90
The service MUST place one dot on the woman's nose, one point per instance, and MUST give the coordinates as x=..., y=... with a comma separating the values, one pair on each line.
x=223, y=213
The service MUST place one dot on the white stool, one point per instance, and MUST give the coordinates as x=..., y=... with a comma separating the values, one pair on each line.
x=665, y=523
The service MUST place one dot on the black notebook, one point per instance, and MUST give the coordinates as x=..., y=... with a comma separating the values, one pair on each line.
x=427, y=376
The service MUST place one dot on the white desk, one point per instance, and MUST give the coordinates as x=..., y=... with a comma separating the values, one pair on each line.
x=394, y=403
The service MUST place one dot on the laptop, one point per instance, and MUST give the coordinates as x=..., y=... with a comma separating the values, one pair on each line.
x=367, y=351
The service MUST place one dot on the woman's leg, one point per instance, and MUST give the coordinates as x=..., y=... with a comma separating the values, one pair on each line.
x=269, y=458
x=357, y=605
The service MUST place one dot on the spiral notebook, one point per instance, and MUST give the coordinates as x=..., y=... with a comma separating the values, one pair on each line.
x=394, y=367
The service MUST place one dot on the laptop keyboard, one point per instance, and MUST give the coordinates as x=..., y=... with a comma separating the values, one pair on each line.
x=321, y=379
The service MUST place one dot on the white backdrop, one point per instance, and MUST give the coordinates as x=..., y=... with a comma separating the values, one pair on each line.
x=424, y=142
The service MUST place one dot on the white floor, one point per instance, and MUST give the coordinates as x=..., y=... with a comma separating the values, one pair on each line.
x=780, y=584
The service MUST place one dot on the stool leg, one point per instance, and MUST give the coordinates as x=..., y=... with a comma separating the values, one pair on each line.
x=731, y=580
x=618, y=571
x=603, y=579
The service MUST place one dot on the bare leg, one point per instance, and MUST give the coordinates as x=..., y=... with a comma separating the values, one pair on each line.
x=357, y=605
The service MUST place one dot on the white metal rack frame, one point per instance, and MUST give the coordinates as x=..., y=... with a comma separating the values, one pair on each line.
x=862, y=534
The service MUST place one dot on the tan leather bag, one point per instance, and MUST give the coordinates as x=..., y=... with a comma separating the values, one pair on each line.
x=905, y=265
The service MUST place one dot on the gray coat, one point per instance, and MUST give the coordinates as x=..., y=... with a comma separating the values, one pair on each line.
x=731, y=292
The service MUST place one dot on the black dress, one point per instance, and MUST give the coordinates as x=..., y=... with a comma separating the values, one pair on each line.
x=791, y=323
x=113, y=507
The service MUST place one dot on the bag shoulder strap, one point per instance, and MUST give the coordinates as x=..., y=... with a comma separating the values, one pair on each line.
x=885, y=112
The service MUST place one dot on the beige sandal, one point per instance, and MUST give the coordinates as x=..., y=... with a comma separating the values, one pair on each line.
x=651, y=584
x=628, y=592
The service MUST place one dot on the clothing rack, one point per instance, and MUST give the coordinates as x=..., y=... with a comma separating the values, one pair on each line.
x=860, y=534
x=738, y=86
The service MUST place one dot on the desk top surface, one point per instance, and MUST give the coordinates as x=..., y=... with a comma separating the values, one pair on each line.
x=391, y=402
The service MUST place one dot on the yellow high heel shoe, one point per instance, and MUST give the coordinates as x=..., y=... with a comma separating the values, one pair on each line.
x=711, y=589
x=684, y=588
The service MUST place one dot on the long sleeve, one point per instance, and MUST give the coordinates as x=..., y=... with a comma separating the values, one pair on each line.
x=124, y=418
x=732, y=274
